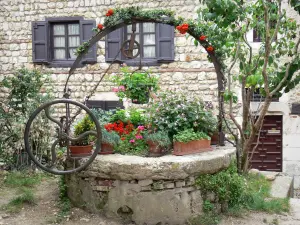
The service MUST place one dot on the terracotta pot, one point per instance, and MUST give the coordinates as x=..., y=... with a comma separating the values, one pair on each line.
x=106, y=149
x=154, y=149
x=81, y=151
x=192, y=147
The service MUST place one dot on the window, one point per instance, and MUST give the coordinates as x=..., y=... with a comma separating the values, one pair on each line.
x=105, y=105
x=257, y=97
x=56, y=39
x=156, y=43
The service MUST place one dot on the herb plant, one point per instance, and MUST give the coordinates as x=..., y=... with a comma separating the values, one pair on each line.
x=111, y=138
x=190, y=135
x=161, y=138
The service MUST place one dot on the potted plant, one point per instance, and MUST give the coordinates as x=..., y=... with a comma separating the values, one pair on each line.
x=109, y=141
x=158, y=143
x=189, y=142
x=83, y=147
x=135, y=85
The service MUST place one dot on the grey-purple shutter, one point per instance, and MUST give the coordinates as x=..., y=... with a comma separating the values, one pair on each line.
x=86, y=32
x=165, y=42
x=113, y=45
x=39, y=42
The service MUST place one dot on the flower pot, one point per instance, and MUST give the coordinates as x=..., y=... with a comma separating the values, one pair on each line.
x=215, y=138
x=106, y=149
x=154, y=149
x=192, y=147
x=81, y=151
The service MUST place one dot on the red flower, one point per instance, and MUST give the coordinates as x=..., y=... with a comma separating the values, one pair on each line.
x=202, y=38
x=100, y=26
x=183, y=28
x=110, y=12
x=123, y=138
x=210, y=48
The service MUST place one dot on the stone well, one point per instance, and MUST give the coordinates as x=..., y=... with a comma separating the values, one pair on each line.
x=147, y=191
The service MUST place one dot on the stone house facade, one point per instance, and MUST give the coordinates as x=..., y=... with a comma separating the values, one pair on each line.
x=188, y=70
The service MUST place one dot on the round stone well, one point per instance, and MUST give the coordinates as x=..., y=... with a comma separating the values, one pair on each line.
x=146, y=191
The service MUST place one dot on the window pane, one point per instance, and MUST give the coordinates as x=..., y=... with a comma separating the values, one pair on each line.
x=129, y=28
x=59, y=42
x=59, y=54
x=137, y=37
x=149, y=39
x=74, y=41
x=72, y=53
x=73, y=29
x=58, y=29
x=148, y=27
x=149, y=51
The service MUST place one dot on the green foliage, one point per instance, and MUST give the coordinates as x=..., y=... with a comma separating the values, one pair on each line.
x=160, y=137
x=175, y=112
x=296, y=5
x=130, y=145
x=16, y=204
x=209, y=218
x=22, y=179
x=102, y=116
x=190, y=135
x=84, y=125
x=227, y=185
x=132, y=115
x=25, y=94
x=111, y=138
x=64, y=203
x=134, y=85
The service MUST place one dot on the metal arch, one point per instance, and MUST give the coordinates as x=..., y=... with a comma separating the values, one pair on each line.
x=52, y=170
x=105, y=32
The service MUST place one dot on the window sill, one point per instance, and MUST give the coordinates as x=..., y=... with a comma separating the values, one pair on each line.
x=143, y=63
x=65, y=64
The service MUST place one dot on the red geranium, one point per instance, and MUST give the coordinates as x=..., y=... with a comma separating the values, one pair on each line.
x=202, y=38
x=210, y=48
x=183, y=28
x=100, y=26
x=110, y=12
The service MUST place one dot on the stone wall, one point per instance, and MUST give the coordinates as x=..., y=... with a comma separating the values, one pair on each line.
x=190, y=71
x=147, y=191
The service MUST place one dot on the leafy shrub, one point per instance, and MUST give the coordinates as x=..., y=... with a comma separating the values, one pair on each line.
x=132, y=115
x=228, y=185
x=102, y=116
x=134, y=85
x=84, y=125
x=190, y=135
x=24, y=96
x=174, y=112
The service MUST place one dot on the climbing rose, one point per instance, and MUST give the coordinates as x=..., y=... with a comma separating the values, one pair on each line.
x=110, y=12
x=115, y=89
x=141, y=128
x=139, y=137
x=210, y=48
x=121, y=88
x=183, y=28
x=100, y=26
x=202, y=38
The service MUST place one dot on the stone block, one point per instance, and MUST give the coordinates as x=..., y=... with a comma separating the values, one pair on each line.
x=158, y=186
x=146, y=188
x=190, y=181
x=180, y=184
x=101, y=188
x=169, y=185
x=145, y=182
x=282, y=187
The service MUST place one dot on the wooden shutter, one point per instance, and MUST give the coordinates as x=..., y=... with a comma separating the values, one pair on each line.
x=39, y=42
x=295, y=109
x=165, y=42
x=86, y=32
x=105, y=105
x=113, y=45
